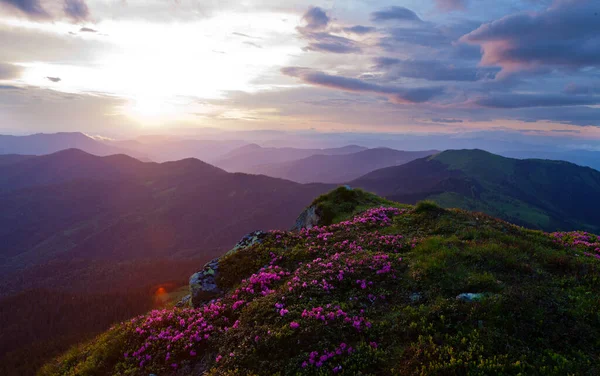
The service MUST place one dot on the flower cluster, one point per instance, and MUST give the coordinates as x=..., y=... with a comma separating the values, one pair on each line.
x=176, y=334
x=329, y=314
x=351, y=257
x=583, y=241
x=318, y=359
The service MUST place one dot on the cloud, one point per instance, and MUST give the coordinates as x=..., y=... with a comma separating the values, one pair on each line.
x=253, y=44
x=31, y=8
x=9, y=71
x=451, y=5
x=244, y=35
x=450, y=121
x=10, y=87
x=431, y=70
x=326, y=42
x=395, y=13
x=54, y=79
x=395, y=94
x=76, y=9
x=508, y=101
x=87, y=30
x=320, y=38
x=566, y=35
x=316, y=19
x=582, y=89
x=359, y=29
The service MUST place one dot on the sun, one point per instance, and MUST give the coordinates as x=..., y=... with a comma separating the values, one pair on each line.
x=150, y=111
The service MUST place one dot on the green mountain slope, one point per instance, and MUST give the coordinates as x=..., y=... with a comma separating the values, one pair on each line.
x=389, y=290
x=541, y=194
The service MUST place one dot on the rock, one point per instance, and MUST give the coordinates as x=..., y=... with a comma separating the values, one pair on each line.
x=308, y=219
x=185, y=302
x=255, y=237
x=470, y=297
x=203, y=285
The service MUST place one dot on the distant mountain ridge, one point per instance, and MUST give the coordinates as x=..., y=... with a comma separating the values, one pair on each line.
x=541, y=194
x=338, y=168
x=248, y=157
x=48, y=143
x=73, y=204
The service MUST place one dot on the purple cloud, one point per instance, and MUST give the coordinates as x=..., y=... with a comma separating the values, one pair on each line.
x=431, y=70
x=31, y=8
x=360, y=30
x=566, y=35
x=316, y=19
x=9, y=71
x=395, y=94
x=535, y=100
x=326, y=42
x=76, y=9
x=451, y=5
x=395, y=13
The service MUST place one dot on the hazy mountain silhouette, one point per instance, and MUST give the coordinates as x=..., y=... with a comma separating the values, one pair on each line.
x=537, y=193
x=75, y=205
x=247, y=158
x=338, y=168
x=42, y=143
x=165, y=148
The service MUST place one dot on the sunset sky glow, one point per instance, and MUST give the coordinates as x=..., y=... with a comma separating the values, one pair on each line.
x=124, y=67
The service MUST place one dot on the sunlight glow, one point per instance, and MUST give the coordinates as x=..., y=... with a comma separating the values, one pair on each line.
x=152, y=64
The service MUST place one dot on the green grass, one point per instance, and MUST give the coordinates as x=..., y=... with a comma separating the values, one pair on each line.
x=538, y=316
x=343, y=203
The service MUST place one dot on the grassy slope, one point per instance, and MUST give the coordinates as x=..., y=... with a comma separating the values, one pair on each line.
x=515, y=189
x=539, y=316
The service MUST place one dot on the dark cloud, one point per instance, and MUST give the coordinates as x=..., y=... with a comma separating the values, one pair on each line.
x=320, y=38
x=565, y=35
x=10, y=87
x=395, y=13
x=441, y=120
x=316, y=19
x=54, y=79
x=575, y=115
x=360, y=30
x=395, y=94
x=253, y=44
x=87, y=30
x=535, y=100
x=76, y=9
x=451, y=5
x=31, y=8
x=9, y=71
x=582, y=89
x=431, y=70
x=326, y=42
x=441, y=37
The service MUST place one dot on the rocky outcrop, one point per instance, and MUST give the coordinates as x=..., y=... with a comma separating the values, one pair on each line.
x=248, y=240
x=203, y=284
x=309, y=218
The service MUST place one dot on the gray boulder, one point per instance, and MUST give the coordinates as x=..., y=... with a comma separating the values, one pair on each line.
x=248, y=240
x=203, y=285
x=308, y=219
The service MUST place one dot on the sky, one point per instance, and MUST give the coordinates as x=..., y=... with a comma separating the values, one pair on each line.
x=130, y=67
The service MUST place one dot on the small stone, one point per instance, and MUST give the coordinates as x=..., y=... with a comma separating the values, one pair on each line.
x=470, y=297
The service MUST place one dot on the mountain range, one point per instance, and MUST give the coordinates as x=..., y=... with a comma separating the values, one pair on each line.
x=337, y=168
x=78, y=231
x=536, y=193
